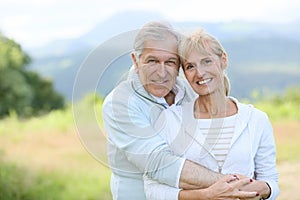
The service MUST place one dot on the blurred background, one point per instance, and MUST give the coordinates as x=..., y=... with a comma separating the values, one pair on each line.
x=45, y=149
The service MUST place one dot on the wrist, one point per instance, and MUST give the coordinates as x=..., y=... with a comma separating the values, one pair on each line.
x=266, y=193
x=206, y=193
x=198, y=194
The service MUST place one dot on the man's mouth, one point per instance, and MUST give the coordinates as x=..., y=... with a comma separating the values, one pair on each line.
x=159, y=82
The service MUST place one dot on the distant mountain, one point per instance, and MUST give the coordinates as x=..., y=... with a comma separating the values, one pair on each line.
x=261, y=56
x=105, y=30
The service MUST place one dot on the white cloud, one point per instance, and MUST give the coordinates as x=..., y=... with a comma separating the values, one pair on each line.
x=34, y=22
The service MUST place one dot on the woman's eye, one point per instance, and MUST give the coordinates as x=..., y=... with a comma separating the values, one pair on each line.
x=207, y=61
x=189, y=66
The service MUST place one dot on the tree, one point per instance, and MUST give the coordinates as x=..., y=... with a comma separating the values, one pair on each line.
x=23, y=91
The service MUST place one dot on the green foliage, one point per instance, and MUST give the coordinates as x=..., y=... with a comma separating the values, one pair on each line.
x=44, y=97
x=11, y=54
x=15, y=92
x=23, y=91
x=281, y=107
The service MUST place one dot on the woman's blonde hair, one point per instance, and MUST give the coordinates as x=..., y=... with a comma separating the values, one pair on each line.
x=205, y=44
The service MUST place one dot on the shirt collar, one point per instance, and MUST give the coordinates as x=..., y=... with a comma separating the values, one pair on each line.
x=179, y=94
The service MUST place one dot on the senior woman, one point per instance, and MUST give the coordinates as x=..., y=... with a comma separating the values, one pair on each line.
x=216, y=130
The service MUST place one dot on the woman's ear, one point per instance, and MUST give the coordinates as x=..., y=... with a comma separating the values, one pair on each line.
x=224, y=60
x=135, y=63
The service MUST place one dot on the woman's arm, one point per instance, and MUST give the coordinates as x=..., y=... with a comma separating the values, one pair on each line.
x=265, y=161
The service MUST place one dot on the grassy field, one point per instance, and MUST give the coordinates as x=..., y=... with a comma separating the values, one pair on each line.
x=44, y=158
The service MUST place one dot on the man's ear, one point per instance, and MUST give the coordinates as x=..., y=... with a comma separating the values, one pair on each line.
x=134, y=59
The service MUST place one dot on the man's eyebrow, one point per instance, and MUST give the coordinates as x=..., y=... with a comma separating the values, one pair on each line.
x=151, y=56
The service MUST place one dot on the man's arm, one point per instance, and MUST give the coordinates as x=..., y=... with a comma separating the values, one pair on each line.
x=195, y=176
x=131, y=131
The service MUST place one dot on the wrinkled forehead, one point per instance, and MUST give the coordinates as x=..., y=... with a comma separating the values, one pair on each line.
x=168, y=42
x=158, y=54
x=168, y=45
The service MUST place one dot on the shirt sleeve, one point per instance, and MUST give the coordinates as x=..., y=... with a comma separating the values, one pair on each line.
x=130, y=130
x=265, y=159
x=157, y=191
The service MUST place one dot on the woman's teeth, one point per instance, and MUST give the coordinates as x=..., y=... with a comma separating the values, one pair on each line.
x=204, y=81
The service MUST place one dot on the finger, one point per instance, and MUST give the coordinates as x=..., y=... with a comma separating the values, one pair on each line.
x=229, y=178
x=245, y=195
x=241, y=183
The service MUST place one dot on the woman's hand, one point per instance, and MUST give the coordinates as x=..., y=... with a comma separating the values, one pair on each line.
x=260, y=186
x=230, y=187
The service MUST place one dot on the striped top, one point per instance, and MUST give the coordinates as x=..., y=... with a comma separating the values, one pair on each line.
x=218, y=135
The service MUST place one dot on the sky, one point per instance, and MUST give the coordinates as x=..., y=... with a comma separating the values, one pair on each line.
x=33, y=23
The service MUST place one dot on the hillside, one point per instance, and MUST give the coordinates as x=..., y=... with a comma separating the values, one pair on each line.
x=262, y=56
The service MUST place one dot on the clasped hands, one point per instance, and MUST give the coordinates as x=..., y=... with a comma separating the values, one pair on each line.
x=238, y=187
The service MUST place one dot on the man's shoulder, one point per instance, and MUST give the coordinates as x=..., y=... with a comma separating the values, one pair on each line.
x=120, y=92
x=183, y=84
x=124, y=94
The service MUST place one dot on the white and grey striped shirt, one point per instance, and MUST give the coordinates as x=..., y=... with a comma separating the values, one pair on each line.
x=218, y=135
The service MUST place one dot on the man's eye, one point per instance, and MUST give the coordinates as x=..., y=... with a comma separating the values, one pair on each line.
x=151, y=61
x=170, y=62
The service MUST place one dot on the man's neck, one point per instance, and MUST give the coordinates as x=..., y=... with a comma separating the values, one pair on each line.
x=170, y=98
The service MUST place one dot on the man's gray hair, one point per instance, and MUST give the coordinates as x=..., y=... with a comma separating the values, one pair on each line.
x=154, y=30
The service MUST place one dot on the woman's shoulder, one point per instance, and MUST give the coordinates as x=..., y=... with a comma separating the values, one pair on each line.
x=249, y=109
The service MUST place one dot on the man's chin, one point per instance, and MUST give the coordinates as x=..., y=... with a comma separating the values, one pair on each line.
x=160, y=93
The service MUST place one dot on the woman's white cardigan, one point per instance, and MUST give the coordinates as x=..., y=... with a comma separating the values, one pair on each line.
x=252, y=151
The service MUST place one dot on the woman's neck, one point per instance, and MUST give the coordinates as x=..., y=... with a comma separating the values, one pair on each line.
x=215, y=105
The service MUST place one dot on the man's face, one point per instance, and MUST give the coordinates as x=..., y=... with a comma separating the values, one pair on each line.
x=158, y=66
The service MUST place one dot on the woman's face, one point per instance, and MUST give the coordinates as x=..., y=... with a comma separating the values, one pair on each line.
x=205, y=73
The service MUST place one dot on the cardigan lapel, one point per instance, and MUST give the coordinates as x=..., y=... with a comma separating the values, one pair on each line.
x=244, y=114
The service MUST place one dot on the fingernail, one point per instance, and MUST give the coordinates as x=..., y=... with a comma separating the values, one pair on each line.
x=257, y=194
x=251, y=180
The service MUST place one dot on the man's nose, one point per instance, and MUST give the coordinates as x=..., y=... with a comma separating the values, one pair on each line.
x=161, y=70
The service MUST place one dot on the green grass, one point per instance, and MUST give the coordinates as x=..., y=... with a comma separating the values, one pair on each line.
x=284, y=111
x=19, y=183
x=283, y=107
x=43, y=158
